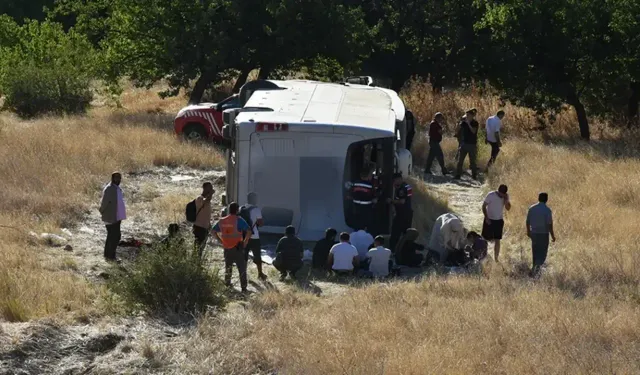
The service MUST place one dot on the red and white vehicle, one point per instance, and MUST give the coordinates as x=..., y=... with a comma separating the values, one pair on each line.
x=204, y=121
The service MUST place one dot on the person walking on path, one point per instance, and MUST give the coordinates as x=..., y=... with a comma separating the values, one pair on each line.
x=493, y=126
x=203, y=217
x=229, y=231
x=113, y=212
x=469, y=144
x=289, y=252
x=252, y=214
x=435, y=151
x=493, y=209
x=539, y=227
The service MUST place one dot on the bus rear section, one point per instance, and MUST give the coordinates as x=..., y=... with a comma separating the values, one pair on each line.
x=302, y=178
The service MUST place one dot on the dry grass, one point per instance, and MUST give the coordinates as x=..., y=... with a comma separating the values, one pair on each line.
x=580, y=317
x=52, y=168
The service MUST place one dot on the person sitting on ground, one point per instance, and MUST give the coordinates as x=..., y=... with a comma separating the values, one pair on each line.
x=476, y=246
x=362, y=241
x=447, y=235
x=322, y=248
x=343, y=257
x=408, y=251
x=379, y=259
x=289, y=253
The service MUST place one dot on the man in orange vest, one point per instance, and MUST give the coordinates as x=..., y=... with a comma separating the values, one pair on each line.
x=229, y=231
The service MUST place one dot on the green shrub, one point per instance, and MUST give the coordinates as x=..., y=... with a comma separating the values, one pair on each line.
x=45, y=69
x=169, y=279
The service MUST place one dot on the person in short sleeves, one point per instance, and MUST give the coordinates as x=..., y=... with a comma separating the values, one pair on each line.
x=229, y=231
x=343, y=257
x=493, y=210
x=493, y=126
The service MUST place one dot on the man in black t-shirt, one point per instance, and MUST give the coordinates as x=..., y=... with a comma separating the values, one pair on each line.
x=468, y=129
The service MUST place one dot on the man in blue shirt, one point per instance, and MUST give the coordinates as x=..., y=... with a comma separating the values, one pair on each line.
x=539, y=227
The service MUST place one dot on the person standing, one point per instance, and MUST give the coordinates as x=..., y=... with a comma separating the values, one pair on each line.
x=435, y=151
x=203, y=217
x=402, y=205
x=252, y=214
x=411, y=128
x=229, y=231
x=363, y=197
x=493, y=126
x=539, y=227
x=493, y=209
x=289, y=253
x=468, y=130
x=113, y=212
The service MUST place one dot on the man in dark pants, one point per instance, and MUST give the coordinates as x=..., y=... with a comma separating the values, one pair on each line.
x=435, y=151
x=289, y=252
x=254, y=215
x=404, y=213
x=411, y=128
x=469, y=144
x=203, y=217
x=113, y=211
x=493, y=126
x=229, y=230
x=539, y=227
x=363, y=197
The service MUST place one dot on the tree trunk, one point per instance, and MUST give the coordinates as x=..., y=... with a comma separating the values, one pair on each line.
x=264, y=73
x=634, y=100
x=202, y=83
x=242, y=79
x=583, y=121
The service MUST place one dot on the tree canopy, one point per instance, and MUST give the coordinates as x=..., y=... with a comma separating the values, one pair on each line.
x=544, y=54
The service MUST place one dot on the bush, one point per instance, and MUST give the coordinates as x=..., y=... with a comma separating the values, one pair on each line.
x=169, y=279
x=45, y=70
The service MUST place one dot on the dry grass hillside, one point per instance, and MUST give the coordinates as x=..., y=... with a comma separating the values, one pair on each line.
x=579, y=317
x=52, y=167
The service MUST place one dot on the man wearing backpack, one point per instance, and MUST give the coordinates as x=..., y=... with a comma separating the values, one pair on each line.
x=202, y=221
x=252, y=214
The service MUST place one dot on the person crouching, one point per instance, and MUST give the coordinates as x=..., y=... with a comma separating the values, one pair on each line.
x=289, y=253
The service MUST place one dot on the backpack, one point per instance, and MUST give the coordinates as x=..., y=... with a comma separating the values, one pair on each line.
x=245, y=213
x=190, y=211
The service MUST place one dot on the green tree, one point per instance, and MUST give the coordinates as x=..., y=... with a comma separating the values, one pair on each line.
x=43, y=69
x=626, y=21
x=434, y=39
x=182, y=41
x=21, y=10
x=548, y=52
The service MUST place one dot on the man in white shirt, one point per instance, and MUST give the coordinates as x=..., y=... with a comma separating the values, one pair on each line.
x=343, y=257
x=493, y=126
x=379, y=259
x=254, y=214
x=493, y=210
x=447, y=235
x=361, y=240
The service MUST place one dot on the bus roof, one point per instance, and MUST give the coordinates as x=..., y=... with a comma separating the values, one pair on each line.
x=310, y=102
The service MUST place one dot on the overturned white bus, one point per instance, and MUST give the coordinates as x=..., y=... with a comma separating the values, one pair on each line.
x=298, y=144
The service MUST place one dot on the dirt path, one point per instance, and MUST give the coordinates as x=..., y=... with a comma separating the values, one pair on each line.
x=464, y=198
x=155, y=198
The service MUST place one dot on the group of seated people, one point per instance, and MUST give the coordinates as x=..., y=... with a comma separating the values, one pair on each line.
x=450, y=245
